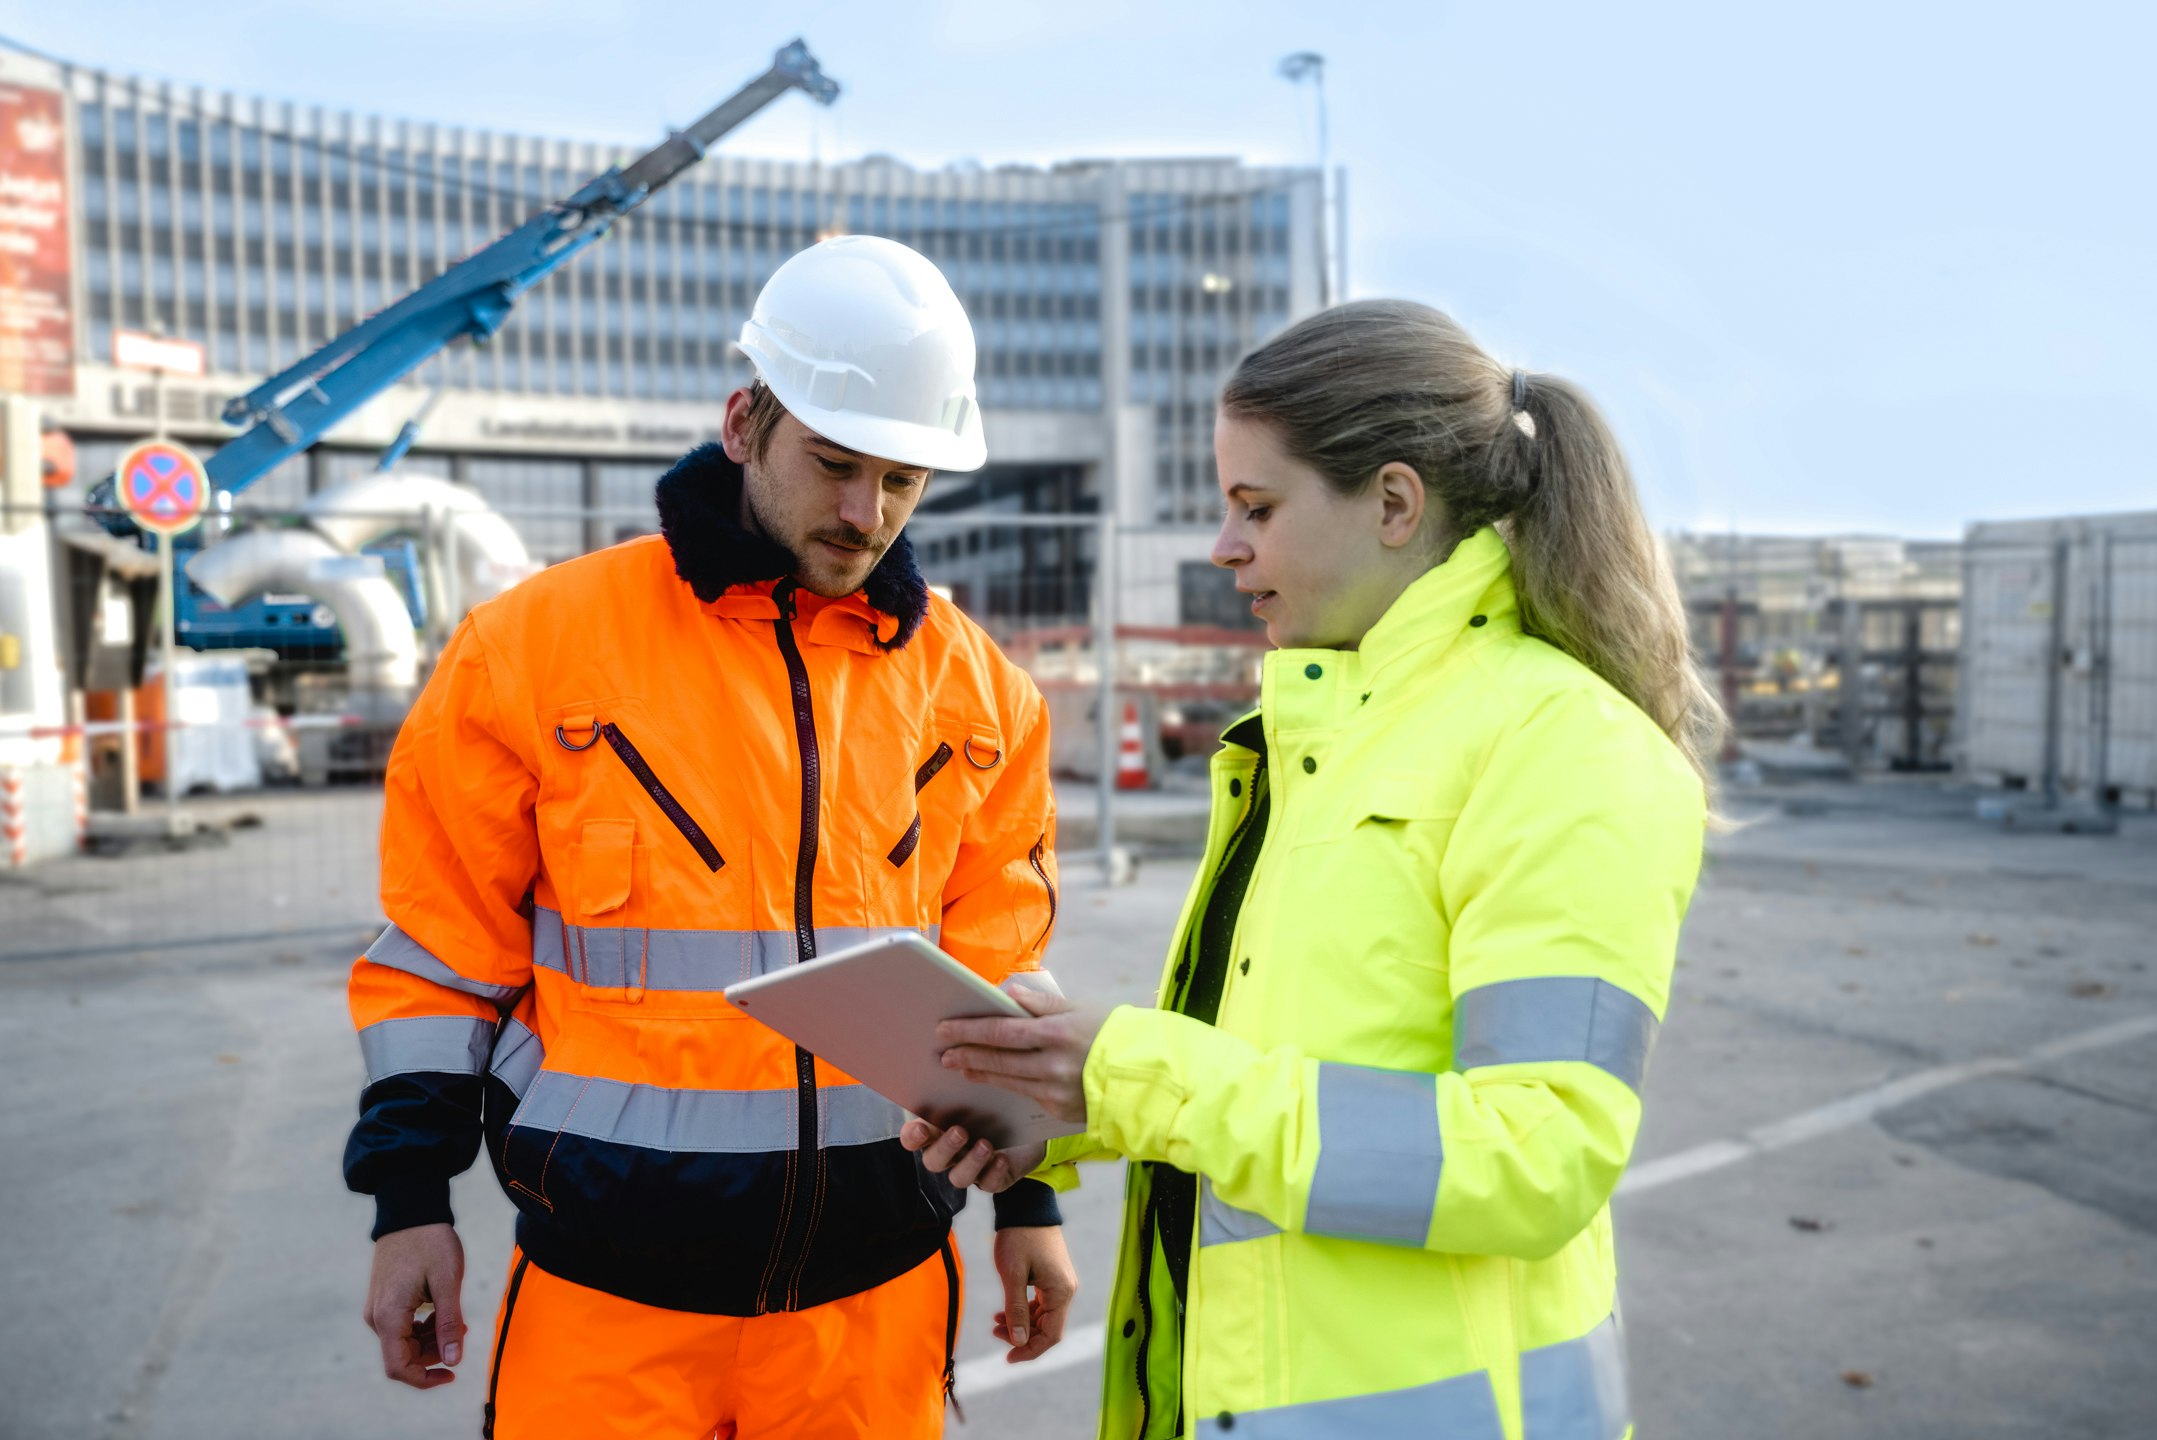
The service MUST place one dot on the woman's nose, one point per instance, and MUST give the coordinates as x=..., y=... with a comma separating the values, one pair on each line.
x=1229, y=550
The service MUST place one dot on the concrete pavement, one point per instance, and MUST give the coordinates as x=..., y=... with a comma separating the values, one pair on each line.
x=1901, y=1146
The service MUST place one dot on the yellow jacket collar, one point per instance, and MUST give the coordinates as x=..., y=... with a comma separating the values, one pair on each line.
x=1471, y=593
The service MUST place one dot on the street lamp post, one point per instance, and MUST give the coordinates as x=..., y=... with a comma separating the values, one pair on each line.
x=1310, y=65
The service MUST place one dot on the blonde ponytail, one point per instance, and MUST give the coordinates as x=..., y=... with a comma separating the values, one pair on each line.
x=1359, y=386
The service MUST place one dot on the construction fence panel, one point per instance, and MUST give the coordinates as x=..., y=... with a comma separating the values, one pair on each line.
x=281, y=734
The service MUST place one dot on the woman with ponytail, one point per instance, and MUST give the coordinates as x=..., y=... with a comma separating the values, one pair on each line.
x=1395, y=1072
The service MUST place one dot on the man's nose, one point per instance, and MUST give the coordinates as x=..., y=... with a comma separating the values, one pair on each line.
x=861, y=505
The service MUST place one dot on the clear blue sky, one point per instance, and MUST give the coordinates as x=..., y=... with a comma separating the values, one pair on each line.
x=1837, y=266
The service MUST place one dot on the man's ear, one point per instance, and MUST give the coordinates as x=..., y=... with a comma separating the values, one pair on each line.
x=1401, y=504
x=732, y=437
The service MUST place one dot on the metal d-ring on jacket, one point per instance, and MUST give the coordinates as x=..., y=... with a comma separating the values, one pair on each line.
x=1404, y=1067
x=635, y=779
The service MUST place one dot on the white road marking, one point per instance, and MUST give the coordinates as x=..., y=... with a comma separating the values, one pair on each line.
x=1084, y=1343
x=1865, y=1104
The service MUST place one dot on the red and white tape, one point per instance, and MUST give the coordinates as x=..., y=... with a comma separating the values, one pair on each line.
x=148, y=727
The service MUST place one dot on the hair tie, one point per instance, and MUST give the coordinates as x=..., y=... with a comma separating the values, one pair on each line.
x=1520, y=389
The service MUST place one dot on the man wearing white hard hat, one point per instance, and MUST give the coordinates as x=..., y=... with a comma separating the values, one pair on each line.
x=640, y=777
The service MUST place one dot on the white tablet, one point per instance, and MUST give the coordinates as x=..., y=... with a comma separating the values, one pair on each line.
x=872, y=1010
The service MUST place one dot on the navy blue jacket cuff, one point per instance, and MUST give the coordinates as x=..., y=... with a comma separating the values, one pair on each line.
x=410, y=1201
x=1029, y=1202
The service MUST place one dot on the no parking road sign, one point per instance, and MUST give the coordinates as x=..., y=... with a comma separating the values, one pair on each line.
x=163, y=486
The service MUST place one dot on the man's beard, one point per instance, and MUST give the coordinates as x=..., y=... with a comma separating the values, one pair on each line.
x=806, y=571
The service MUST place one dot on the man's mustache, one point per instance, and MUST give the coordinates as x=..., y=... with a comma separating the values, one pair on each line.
x=851, y=538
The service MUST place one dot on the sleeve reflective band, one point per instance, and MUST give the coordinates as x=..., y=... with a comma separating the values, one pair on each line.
x=399, y=951
x=1557, y=1017
x=439, y=1044
x=1379, y=1155
x=517, y=1057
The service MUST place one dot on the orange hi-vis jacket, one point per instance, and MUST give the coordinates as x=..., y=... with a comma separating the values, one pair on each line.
x=633, y=780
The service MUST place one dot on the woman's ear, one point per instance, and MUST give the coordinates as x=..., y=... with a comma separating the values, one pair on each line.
x=1402, y=500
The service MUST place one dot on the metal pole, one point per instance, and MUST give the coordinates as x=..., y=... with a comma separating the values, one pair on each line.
x=168, y=603
x=1104, y=646
x=1850, y=688
x=2101, y=676
x=1913, y=685
x=1730, y=673
x=1115, y=394
x=1296, y=68
x=2055, y=643
x=1340, y=229
x=1327, y=295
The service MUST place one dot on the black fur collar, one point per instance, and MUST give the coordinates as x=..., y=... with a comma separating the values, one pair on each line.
x=699, y=502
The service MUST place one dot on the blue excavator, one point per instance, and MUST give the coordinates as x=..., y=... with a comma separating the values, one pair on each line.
x=293, y=409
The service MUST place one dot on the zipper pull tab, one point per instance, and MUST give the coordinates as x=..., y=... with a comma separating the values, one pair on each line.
x=783, y=592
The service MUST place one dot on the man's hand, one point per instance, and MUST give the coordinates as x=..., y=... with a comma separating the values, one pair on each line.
x=1026, y=1255
x=413, y=1268
x=946, y=1152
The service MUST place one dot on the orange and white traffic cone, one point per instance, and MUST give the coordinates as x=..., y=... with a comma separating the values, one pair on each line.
x=1131, y=752
x=79, y=783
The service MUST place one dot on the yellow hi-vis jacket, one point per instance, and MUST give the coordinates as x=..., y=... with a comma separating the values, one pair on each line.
x=1424, y=1080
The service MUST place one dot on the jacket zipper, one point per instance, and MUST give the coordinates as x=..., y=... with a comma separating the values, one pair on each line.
x=1035, y=857
x=1145, y=1310
x=1148, y=1224
x=932, y=765
x=951, y=1329
x=904, y=850
x=673, y=809
x=807, y=1196
x=501, y=1343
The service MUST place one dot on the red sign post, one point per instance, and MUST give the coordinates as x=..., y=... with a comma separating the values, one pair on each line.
x=165, y=490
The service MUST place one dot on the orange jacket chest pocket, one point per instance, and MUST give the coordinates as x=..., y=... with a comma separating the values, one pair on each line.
x=602, y=868
x=650, y=884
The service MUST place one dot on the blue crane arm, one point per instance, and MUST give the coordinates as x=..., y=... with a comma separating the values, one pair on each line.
x=291, y=410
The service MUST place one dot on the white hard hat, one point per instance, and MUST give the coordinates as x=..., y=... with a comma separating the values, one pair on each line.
x=862, y=341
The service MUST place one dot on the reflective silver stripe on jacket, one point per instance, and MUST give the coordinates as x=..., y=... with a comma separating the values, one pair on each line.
x=439, y=1044
x=1557, y=1017
x=399, y=951
x=1220, y=1223
x=517, y=1057
x=621, y=957
x=735, y=1122
x=1574, y=1390
x=1379, y=1155
x=1459, y=1408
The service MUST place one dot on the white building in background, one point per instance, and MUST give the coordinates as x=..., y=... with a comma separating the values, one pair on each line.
x=1110, y=299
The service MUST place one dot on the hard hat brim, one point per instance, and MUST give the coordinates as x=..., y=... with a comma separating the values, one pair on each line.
x=900, y=441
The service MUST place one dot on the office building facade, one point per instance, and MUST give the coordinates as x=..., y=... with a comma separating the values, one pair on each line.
x=1110, y=299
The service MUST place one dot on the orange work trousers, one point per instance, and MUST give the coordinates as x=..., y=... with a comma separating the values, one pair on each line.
x=570, y=1361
